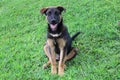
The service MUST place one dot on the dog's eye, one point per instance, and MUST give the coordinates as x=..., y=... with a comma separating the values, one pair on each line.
x=49, y=13
x=56, y=13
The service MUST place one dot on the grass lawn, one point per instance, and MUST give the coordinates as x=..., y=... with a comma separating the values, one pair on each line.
x=23, y=34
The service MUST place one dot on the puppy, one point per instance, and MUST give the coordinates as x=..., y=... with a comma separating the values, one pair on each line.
x=58, y=46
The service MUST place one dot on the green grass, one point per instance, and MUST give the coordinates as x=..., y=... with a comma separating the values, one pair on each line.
x=23, y=31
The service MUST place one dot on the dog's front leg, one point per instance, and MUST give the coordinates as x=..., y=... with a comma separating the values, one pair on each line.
x=52, y=56
x=62, y=56
x=61, y=62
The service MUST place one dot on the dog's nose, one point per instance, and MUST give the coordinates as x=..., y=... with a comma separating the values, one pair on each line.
x=53, y=21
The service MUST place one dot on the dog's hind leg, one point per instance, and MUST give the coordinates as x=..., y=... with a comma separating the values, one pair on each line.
x=72, y=54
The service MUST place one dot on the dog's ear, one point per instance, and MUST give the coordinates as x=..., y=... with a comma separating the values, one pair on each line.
x=43, y=10
x=61, y=9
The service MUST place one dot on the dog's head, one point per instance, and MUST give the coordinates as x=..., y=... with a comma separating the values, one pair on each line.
x=53, y=15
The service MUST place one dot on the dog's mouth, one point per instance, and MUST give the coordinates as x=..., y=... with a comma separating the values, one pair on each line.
x=53, y=26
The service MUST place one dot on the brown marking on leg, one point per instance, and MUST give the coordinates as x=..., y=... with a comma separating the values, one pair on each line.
x=52, y=56
x=72, y=53
x=61, y=43
x=46, y=50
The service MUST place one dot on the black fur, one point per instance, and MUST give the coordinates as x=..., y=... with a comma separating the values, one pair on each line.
x=65, y=35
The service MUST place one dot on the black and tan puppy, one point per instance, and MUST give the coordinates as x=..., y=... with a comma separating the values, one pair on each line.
x=58, y=45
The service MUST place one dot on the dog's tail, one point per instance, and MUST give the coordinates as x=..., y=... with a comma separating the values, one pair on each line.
x=75, y=35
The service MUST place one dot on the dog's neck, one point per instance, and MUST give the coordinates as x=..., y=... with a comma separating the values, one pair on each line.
x=59, y=29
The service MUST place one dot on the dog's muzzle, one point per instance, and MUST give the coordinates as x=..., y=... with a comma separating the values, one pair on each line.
x=53, y=26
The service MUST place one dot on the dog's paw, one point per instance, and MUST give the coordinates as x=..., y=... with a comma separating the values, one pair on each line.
x=61, y=73
x=45, y=66
x=76, y=50
x=54, y=71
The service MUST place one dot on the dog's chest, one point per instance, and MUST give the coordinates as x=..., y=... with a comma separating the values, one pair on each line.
x=58, y=43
